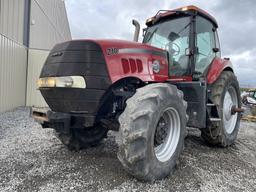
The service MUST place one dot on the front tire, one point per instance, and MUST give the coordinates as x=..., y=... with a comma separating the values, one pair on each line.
x=225, y=93
x=77, y=139
x=152, y=131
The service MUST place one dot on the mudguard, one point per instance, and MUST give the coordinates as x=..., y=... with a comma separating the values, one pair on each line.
x=217, y=66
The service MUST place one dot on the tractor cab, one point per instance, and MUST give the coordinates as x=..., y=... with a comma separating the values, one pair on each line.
x=190, y=38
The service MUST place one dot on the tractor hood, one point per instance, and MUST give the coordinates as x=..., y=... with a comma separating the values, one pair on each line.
x=108, y=59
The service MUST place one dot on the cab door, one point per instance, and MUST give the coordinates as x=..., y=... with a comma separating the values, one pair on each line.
x=195, y=92
x=206, y=47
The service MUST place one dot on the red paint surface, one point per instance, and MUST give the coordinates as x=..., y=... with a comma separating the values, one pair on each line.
x=181, y=78
x=141, y=69
x=217, y=66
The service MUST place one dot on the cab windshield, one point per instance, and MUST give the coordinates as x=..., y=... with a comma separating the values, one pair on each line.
x=172, y=36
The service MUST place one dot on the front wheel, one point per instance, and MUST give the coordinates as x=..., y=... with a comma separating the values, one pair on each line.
x=225, y=94
x=77, y=139
x=152, y=131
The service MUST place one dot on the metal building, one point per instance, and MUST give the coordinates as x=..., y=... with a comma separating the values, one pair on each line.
x=28, y=30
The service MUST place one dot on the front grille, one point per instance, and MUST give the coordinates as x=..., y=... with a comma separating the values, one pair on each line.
x=76, y=58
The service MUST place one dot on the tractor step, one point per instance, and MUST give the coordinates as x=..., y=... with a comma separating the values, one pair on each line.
x=210, y=104
x=215, y=119
x=209, y=108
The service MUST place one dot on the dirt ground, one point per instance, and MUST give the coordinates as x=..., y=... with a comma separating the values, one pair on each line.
x=33, y=159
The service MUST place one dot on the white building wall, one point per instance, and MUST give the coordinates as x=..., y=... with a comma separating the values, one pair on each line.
x=35, y=62
x=13, y=66
x=13, y=55
x=12, y=19
x=48, y=26
x=20, y=66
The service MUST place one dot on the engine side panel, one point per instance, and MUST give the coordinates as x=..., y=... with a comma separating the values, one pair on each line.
x=131, y=59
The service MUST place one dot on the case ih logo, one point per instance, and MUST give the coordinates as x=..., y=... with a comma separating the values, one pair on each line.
x=112, y=51
x=57, y=54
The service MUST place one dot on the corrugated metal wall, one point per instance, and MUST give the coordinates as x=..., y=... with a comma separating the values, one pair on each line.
x=13, y=64
x=48, y=26
x=57, y=14
x=12, y=19
x=35, y=63
x=13, y=55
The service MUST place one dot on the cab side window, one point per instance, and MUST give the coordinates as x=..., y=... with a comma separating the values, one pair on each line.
x=205, y=42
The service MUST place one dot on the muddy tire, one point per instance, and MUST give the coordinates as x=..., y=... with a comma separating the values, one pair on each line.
x=155, y=114
x=78, y=139
x=225, y=92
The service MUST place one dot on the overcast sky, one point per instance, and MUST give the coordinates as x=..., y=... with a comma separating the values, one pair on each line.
x=112, y=19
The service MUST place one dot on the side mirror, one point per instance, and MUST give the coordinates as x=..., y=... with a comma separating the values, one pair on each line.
x=189, y=52
x=215, y=50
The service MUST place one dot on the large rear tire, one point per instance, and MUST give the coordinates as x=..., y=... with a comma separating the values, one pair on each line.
x=225, y=94
x=77, y=139
x=152, y=131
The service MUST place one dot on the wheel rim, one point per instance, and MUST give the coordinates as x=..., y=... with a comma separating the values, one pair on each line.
x=167, y=134
x=229, y=119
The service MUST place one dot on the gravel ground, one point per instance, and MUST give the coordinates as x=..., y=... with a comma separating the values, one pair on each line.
x=32, y=159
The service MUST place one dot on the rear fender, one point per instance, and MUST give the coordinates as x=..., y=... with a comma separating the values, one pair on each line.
x=217, y=66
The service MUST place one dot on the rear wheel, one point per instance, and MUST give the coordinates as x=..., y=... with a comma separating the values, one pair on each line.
x=152, y=131
x=77, y=139
x=225, y=94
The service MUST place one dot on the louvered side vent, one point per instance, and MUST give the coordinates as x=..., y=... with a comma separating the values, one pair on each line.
x=132, y=65
x=125, y=65
x=139, y=65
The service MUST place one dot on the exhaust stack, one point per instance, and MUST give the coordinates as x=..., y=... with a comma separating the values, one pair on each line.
x=137, y=30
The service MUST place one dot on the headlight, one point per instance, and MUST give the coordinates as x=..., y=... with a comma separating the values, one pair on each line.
x=66, y=81
x=46, y=82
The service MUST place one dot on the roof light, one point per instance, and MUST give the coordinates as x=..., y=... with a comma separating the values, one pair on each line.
x=184, y=8
x=149, y=19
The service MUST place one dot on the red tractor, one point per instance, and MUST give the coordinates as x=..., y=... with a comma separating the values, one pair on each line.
x=149, y=92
